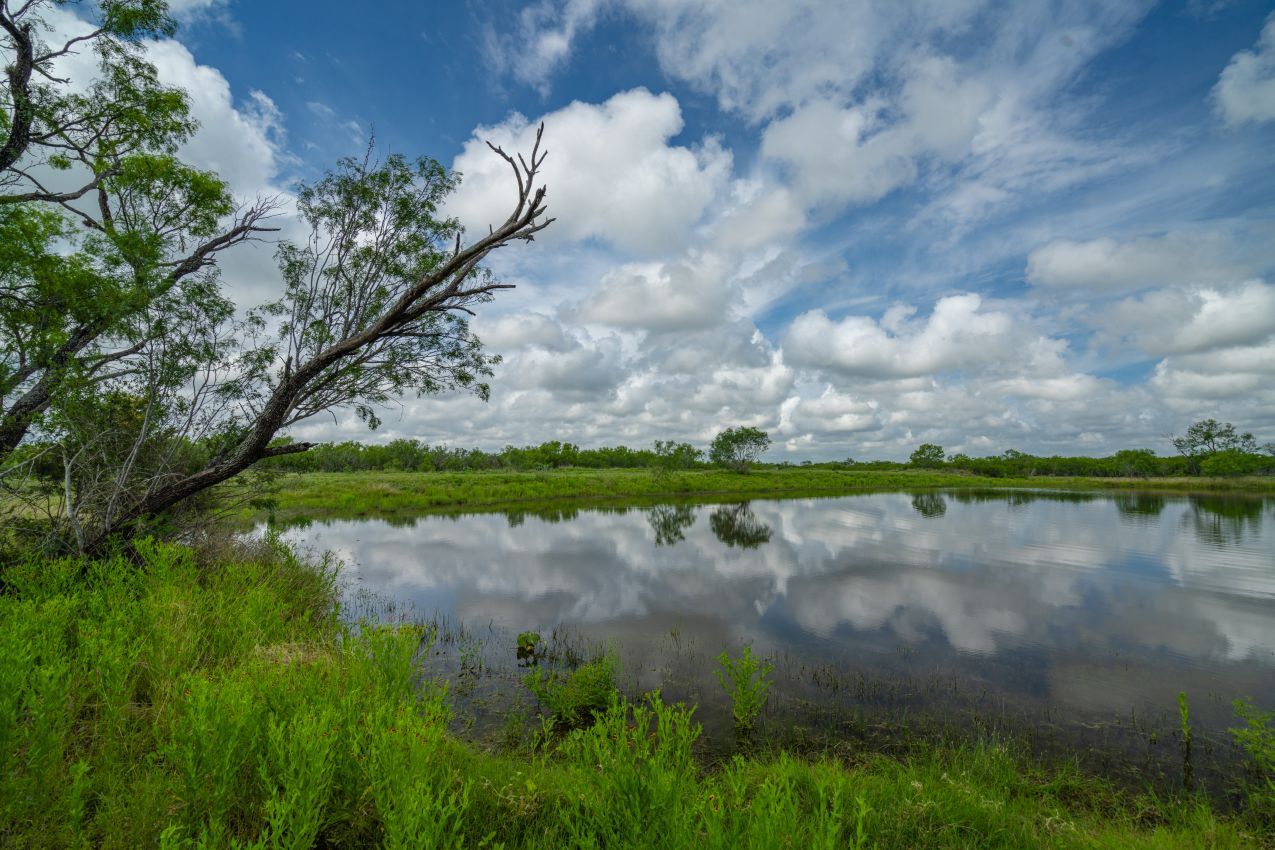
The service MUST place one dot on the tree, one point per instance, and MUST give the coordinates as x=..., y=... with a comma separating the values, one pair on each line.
x=103, y=231
x=122, y=360
x=670, y=456
x=374, y=305
x=927, y=455
x=1208, y=437
x=737, y=448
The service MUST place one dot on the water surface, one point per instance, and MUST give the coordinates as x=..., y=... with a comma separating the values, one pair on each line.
x=1076, y=617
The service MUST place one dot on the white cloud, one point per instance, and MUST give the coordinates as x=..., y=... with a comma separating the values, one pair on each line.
x=1173, y=258
x=691, y=293
x=522, y=330
x=611, y=173
x=1245, y=92
x=187, y=9
x=541, y=41
x=241, y=142
x=1188, y=320
x=958, y=334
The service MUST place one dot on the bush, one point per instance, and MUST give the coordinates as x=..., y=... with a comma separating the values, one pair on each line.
x=574, y=699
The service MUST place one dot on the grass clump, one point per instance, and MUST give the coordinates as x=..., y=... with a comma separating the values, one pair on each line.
x=746, y=681
x=576, y=697
x=186, y=700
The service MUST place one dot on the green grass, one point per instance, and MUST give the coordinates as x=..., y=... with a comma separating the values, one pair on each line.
x=353, y=494
x=205, y=699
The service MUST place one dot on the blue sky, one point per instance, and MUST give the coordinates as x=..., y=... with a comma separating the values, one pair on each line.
x=1047, y=226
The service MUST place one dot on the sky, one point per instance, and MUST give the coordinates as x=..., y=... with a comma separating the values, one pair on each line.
x=859, y=226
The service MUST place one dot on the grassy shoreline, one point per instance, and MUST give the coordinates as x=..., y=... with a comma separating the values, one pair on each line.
x=355, y=494
x=217, y=699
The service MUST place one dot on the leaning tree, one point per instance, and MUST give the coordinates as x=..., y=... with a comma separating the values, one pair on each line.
x=129, y=383
x=374, y=305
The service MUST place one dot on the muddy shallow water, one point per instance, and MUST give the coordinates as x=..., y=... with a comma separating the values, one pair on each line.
x=1072, y=619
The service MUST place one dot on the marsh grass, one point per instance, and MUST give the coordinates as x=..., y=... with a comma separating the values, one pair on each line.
x=358, y=494
x=219, y=700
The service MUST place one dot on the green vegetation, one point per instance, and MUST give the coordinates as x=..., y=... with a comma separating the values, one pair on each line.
x=738, y=448
x=577, y=697
x=746, y=681
x=216, y=699
x=402, y=493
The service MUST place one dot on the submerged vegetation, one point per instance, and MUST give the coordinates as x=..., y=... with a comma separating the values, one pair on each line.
x=216, y=698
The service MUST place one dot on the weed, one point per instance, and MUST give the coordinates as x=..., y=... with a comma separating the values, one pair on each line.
x=528, y=648
x=575, y=698
x=746, y=681
x=1184, y=721
x=1257, y=738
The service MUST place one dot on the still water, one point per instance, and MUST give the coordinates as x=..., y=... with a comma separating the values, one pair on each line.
x=1075, y=617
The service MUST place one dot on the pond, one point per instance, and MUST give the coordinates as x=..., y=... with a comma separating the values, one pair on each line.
x=1073, y=619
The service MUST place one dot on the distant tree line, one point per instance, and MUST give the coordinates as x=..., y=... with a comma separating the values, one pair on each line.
x=1208, y=448
x=415, y=456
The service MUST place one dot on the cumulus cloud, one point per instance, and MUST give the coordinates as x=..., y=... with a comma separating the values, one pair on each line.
x=1188, y=320
x=1245, y=92
x=612, y=172
x=958, y=334
x=241, y=141
x=522, y=330
x=859, y=154
x=691, y=293
x=1173, y=258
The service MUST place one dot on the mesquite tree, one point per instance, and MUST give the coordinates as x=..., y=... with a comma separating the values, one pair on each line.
x=374, y=305
x=103, y=230
x=129, y=384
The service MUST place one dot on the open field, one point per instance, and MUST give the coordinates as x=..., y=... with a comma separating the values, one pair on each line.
x=217, y=699
x=353, y=494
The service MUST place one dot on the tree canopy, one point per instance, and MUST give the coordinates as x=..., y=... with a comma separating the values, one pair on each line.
x=129, y=382
x=737, y=448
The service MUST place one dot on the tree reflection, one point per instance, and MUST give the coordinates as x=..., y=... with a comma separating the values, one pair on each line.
x=1220, y=521
x=1139, y=507
x=669, y=522
x=737, y=525
x=929, y=505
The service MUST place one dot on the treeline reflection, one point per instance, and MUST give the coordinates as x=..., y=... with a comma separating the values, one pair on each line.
x=1216, y=520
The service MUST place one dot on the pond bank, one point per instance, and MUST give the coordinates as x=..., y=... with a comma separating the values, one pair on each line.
x=218, y=697
x=354, y=494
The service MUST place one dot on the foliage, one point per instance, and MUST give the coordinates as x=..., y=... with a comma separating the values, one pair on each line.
x=746, y=681
x=1228, y=462
x=215, y=698
x=574, y=698
x=1207, y=437
x=1257, y=738
x=670, y=455
x=120, y=292
x=737, y=448
x=927, y=455
x=527, y=648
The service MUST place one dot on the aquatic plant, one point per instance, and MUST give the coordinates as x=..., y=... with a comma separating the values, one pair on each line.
x=528, y=648
x=575, y=698
x=1257, y=738
x=1184, y=722
x=746, y=681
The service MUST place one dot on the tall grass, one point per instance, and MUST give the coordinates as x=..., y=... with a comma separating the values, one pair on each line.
x=353, y=494
x=197, y=700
